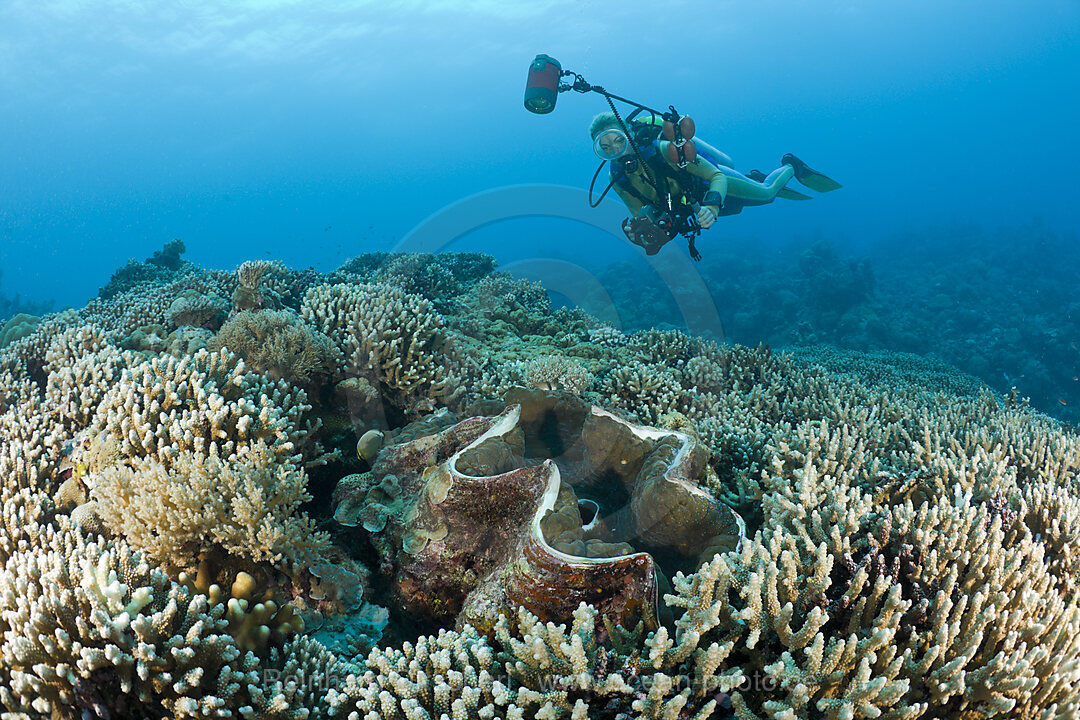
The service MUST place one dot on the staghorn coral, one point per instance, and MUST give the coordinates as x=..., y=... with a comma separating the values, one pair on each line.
x=851, y=611
x=530, y=669
x=451, y=675
x=24, y=516
x=88, y=629
x=245, y=506
x=206, y=403
x=393, y=338
x=82, y=365
x=651, y=391
x=556, y=372
x=1052, y=511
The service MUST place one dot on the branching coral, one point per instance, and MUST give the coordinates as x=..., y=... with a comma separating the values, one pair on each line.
x=438, y=278
x=393, y=337
x=853, y=611
x=547, y=372
x=245, y=506
x=152, y=304
x=914, y=539
x=207, y=403
x=90, y=630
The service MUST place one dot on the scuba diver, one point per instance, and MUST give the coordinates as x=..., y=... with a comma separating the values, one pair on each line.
x=672, y=183
x=673, y=190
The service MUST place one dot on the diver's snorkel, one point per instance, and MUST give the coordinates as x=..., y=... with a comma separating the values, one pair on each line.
x=542, y=87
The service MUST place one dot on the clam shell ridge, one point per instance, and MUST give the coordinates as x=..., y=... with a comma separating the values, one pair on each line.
x=462, y=539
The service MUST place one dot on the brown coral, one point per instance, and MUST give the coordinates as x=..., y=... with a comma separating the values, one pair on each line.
x=278, y=344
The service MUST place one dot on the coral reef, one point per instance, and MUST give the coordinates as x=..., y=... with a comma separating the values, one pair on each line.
x=163, y=266
x=169, y=548
x=437, y=278
x=90, y=630
x=396, y=340
x=199, y=503
x=999, y=305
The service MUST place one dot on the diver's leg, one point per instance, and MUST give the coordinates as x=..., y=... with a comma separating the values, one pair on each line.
x=750, y=192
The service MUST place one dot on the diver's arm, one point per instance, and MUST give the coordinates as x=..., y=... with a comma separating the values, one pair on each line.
x=632, y=203
x=717, y=180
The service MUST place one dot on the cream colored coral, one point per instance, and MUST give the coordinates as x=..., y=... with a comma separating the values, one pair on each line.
x=397, y=338
x=82, y=366
x=453, y=674
x=941, y=609
x=85, y=622
x=24, y=515
x=207, y=403
x=650, y=391
x=149, y=303
x=245, y=505
x=556, y=372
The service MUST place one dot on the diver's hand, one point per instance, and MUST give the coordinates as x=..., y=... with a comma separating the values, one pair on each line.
x=706, y=217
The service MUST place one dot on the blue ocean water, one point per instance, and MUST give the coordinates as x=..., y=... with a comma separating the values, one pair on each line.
x=312, y=132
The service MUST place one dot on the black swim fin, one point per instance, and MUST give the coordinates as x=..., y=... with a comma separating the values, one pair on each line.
x=786, y=193
x=789, y=194
x=808, y=176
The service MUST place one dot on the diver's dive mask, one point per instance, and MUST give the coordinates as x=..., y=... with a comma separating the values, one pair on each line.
x=611, y=144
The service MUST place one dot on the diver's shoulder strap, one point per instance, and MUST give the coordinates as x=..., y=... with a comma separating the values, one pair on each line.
x=621, y=180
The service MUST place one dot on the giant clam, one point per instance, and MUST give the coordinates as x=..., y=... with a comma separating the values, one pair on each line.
x=487, y=513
